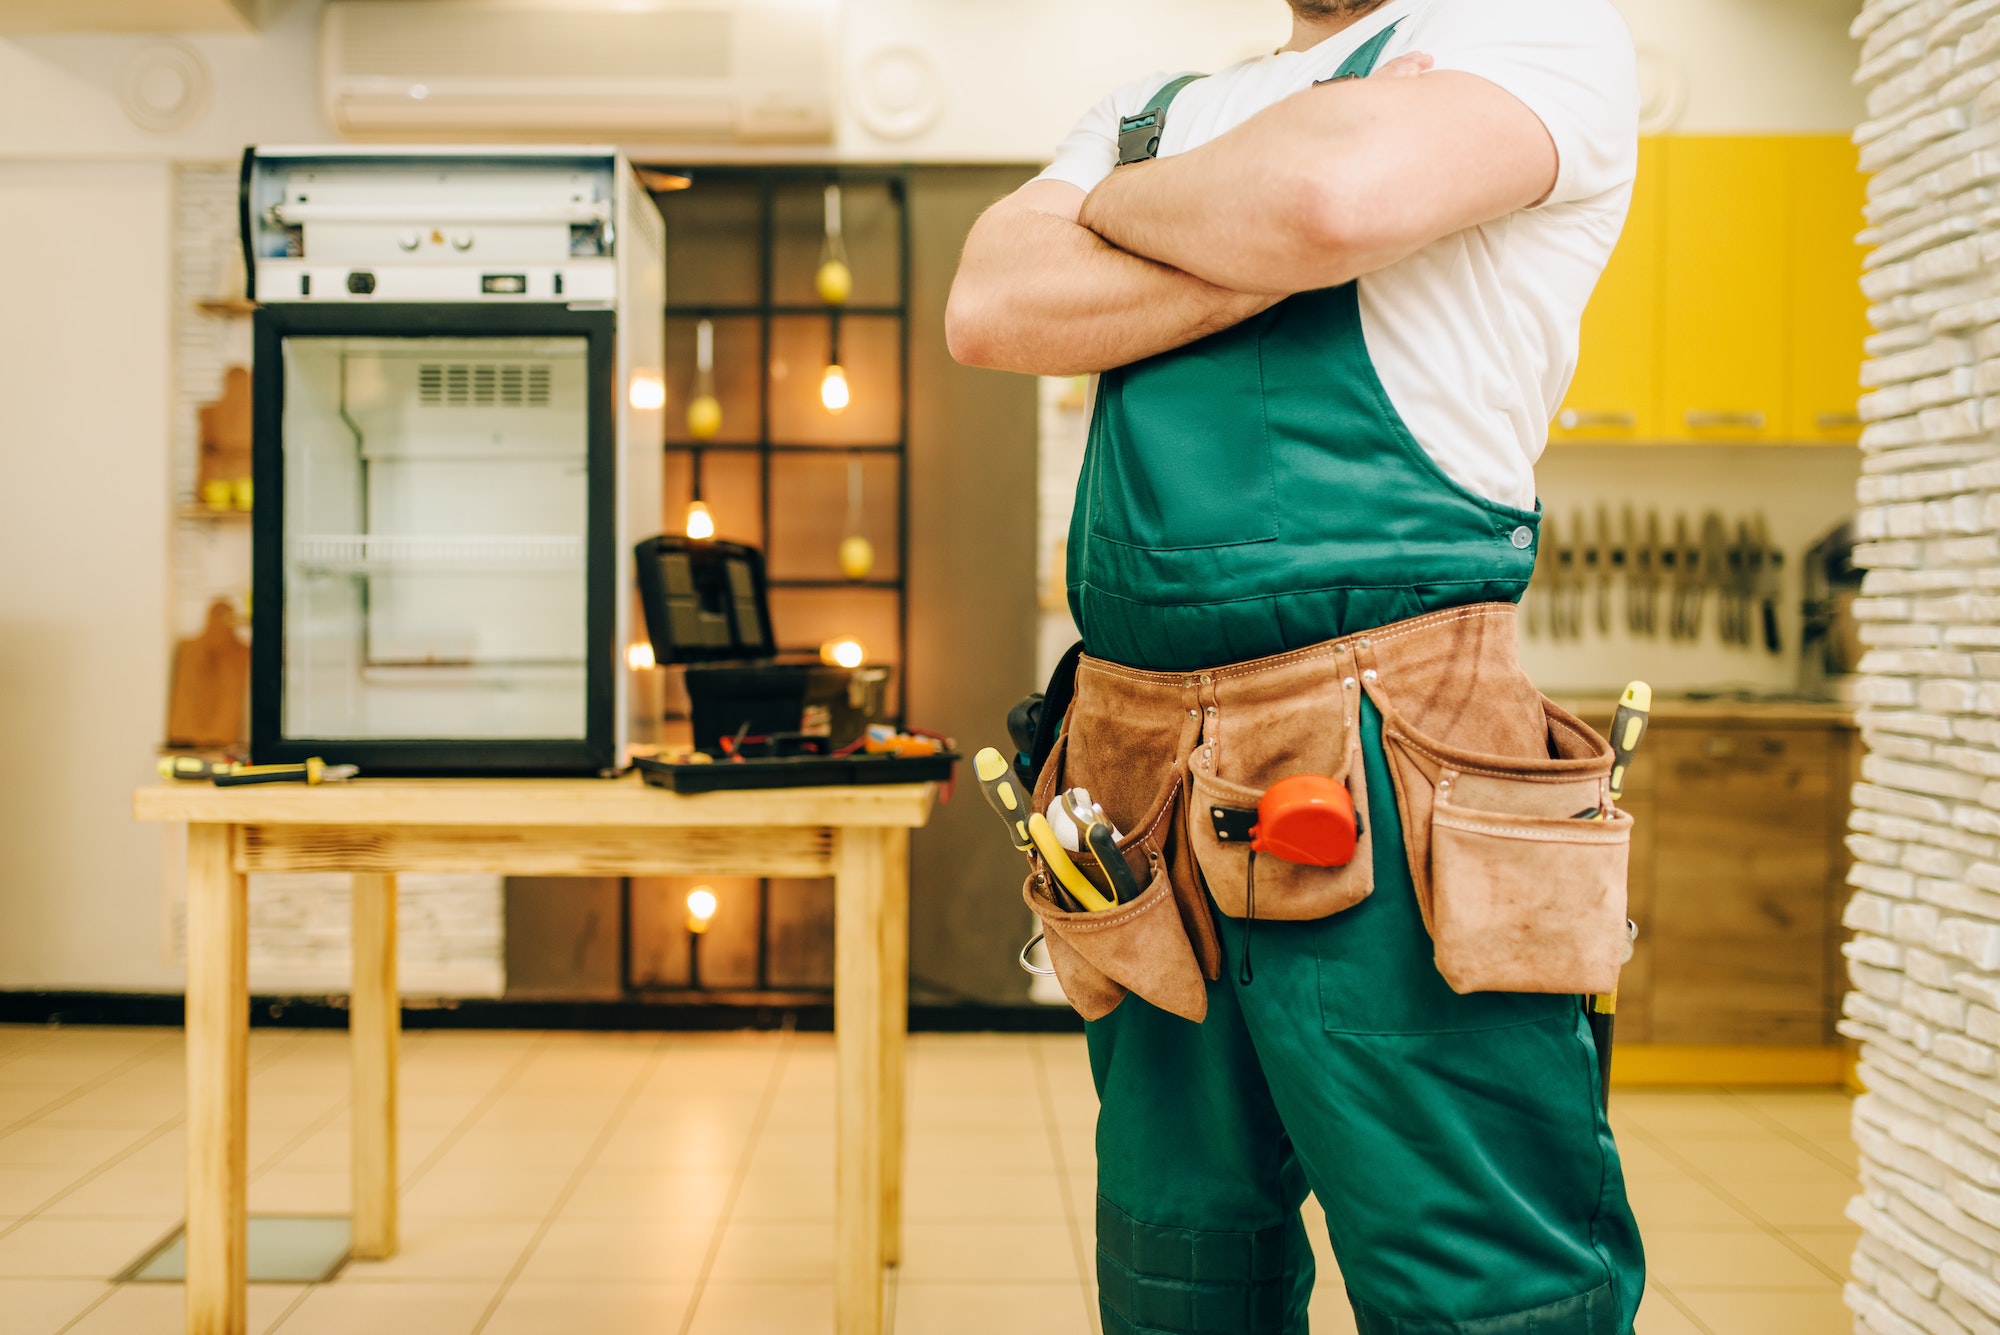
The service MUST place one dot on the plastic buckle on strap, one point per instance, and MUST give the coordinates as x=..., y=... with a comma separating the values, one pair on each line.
x=1139, y=136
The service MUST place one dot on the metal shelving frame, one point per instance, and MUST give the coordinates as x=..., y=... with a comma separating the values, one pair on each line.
x=769, y=180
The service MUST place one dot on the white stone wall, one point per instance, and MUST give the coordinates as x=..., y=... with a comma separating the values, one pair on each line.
x=1925, y=960
x=450, y=927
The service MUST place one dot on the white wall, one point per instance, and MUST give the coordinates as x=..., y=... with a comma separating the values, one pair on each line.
x=85, y=360
x=1013, y=76
x=83, y=516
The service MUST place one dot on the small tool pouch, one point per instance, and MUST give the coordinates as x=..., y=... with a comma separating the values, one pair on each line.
x=1519, y=859
x=1128, y=753
x=1290, y=716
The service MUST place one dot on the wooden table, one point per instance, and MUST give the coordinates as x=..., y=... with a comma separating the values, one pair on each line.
x=376, y=828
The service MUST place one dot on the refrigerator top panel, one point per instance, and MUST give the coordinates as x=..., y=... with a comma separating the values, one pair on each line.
x=434, y=225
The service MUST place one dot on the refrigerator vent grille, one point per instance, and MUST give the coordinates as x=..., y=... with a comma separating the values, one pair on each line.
x=483, y=384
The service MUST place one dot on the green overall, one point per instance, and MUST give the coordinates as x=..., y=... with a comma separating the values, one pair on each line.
x=1250, y=494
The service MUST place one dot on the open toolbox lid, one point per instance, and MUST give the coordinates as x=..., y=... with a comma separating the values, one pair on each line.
x=705, y=601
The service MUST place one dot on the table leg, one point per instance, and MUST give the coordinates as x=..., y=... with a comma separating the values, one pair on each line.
x=895, y=1025
x=374, y=1029
x=860, y=879
x=218, y=1086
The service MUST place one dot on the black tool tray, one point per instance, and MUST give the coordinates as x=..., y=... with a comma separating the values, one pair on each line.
x=797, y=772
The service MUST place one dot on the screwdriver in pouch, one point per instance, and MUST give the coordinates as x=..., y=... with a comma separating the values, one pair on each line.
x=1004, y=795
x=1628, y=729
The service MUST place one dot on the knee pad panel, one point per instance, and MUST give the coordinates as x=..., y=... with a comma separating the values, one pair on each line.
x=1592, y=1313
x=1156, y=1279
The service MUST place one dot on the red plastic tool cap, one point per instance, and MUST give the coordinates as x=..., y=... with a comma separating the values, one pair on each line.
x=1307, y=819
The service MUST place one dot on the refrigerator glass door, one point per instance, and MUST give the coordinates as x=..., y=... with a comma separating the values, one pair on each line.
x=435, y=516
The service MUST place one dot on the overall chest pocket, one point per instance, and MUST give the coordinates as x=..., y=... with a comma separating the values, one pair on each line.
x=1180, y=450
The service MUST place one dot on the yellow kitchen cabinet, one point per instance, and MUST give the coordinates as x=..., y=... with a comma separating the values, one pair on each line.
x=1616, y=392
x=1726, y=319
x=1829, y=314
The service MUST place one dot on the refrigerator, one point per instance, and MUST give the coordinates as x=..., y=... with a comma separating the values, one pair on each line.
x=457, y=397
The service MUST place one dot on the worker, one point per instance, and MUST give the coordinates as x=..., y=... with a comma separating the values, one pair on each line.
x=1332, y=295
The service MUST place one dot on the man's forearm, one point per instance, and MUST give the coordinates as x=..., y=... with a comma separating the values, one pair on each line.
x=1332, y=183
x=1038, y=293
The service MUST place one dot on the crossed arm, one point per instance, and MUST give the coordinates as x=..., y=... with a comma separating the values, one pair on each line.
x=1334, y=182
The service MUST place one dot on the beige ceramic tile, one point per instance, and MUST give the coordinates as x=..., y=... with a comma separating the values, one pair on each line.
x=988, y=1253
x=793, y=1151
x=391, y=1309
x=790, y=1253
x=992, y=1309
x=737, y=1308
x=125, y=1192
x=1641, y=1157
x=1832, y=1245
x=45, y=1145
x=1659, y=1316
x=545, y=1150
x=449, y=1249
x=778, y=1197
x=20, y=1103
x=1329, y=1312
x=45, y=1306
x=1729, y=1258
x=992, y=1151
x=666, y=1197
x=973, y=1111
x=638, y=1251
x=1681, y=1202
x=1815, y=1312
x=1736, y=1160
x=598, y=1308
x=984, y=1196
x=1795, y=1202
x=161, y=1309
x=698, y=1144
x=79, y=1248
x=519, y=1193
x=301, y=1191
x=25, y=1189
x=1687, y=1114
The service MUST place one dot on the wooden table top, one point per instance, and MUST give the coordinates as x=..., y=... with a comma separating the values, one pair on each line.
x=625, y=802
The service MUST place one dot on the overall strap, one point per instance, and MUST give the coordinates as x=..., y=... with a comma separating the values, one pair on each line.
x=1362, y=63
x=1139, y=136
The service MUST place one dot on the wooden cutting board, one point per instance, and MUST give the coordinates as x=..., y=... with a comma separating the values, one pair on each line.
x=209, y=700
x=225, y=430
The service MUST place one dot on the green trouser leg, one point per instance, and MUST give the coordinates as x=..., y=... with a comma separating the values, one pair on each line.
x=1470, y=1182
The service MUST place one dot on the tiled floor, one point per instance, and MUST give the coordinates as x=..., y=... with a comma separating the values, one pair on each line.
x=610, y=1183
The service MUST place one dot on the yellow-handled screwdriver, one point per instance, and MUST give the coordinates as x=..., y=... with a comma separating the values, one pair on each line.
x=1628, y=729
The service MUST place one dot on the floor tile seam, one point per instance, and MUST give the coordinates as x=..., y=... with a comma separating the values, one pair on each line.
x=305, y=1133
x=110, y=1290
x=1666, y=1148
x=773, y=1082
x=87, y=1087
x=1675, y=1301
x=1080, y=1255
x=494, y=1093
x=1797, y=1138
x=150, y=1138
x=654, y=1055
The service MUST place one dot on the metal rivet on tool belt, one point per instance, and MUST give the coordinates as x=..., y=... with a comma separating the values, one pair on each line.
x=1204, y=679
x=1194, y=713
x=1522, y=538
x=1369, y=675
x=1348, y=684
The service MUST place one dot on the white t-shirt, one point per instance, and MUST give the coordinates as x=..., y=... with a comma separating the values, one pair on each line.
x=1474, y=336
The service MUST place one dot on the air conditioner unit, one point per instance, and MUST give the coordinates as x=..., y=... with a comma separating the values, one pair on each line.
x=713, y=71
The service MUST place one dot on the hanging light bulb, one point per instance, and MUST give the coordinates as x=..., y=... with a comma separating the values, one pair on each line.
x=704, y=416
x=833, y=388
x=833, y=385
x=835, y=281
x=700, y=523
x=639, y=655
x=845, y=651
x=857, y=554
x=701, y=905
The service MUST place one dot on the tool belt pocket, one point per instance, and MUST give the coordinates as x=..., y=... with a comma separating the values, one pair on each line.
x=1141, y=946
x=1519, y=863
x=1286, y=891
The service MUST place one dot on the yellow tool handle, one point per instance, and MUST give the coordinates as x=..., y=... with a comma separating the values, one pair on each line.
x=996, y=780
x=1074, y=881
x=1628, y=729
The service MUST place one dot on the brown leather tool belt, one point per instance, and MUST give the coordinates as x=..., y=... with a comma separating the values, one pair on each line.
x=1517, y=855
